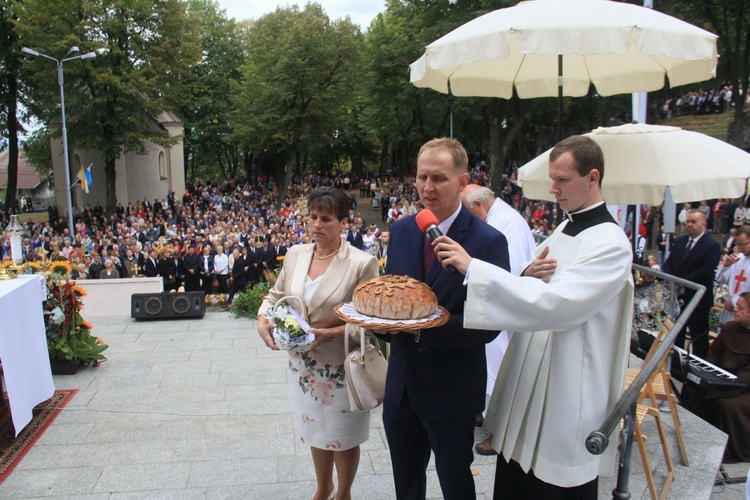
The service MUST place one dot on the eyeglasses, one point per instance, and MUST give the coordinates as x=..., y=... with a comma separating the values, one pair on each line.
x=741, y=245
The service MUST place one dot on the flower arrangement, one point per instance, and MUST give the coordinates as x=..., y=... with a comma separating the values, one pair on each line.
x=217, y=299
x=68, y=335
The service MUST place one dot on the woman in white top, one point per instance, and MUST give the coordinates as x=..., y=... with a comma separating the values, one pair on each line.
x=324, y=274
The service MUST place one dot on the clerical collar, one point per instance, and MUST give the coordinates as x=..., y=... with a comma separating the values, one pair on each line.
x=586, y=218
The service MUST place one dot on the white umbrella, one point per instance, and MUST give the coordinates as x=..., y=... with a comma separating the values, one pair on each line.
x=640, y=161
x=619, y=47
x=548, y=48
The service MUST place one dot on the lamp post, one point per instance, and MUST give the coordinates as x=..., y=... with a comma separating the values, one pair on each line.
x=70, y=56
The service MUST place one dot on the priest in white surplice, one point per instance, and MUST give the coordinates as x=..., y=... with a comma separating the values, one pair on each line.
x=571, y=311
x=483, y=203
x=734, y=272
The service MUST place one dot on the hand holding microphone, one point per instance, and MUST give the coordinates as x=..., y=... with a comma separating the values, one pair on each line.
x=428, y=223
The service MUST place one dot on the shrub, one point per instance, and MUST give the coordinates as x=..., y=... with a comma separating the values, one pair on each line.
x=247, y=303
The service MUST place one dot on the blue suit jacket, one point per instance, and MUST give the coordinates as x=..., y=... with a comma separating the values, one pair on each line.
x=444, y=369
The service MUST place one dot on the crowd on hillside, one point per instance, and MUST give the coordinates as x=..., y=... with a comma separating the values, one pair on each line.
x=700, y=102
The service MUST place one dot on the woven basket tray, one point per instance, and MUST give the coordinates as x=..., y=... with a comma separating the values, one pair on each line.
x=343, y=311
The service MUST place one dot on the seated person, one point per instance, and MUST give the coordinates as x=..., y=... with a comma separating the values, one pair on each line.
x=731, y=351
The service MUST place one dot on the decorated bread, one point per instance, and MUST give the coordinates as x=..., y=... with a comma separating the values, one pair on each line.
x=394, y=297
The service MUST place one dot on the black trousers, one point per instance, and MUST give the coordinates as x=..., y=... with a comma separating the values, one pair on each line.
x=512, y=482
x=697, y=323
x=222, y=280
x=207, y=284
x=410, y=439
x=192, y=282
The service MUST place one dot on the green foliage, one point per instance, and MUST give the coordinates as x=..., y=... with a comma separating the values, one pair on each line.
x=211, y=151
x=111, y=101
x=247, y=303
x=296, y=82
x=38, y=151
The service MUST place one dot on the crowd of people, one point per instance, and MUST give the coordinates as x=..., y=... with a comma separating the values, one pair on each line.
x=223, y=237
x=700, y=102
x=187, y=241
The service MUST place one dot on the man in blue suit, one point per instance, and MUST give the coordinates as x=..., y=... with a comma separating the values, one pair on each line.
x=694, y=258
x=437, y=377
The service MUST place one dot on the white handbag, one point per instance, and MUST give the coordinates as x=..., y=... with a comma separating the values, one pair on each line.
x=365, y=369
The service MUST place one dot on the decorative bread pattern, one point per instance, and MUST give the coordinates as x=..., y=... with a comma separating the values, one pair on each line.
x=394, y=297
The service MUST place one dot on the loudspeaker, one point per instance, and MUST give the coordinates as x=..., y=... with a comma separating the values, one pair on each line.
x=168, y=305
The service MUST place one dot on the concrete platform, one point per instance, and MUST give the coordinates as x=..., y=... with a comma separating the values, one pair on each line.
x=198, y=409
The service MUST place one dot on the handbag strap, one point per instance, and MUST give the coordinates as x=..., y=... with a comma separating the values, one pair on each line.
x=346, y=340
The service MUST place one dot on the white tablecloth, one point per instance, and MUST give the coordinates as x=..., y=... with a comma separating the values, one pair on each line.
x=23, y=346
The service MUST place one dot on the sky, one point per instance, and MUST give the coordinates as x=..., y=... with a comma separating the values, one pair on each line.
x=361, y=12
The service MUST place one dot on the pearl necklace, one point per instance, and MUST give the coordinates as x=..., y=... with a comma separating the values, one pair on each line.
x=325, y=257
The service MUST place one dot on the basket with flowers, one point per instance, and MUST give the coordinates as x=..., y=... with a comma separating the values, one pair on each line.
x=291, y=330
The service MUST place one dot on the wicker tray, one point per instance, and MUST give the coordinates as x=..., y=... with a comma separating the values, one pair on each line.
x=347, y=313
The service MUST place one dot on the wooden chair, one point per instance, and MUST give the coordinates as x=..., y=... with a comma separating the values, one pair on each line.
x=649, y=392
x=661, y=387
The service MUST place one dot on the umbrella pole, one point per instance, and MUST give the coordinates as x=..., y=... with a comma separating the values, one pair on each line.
x=559, y=97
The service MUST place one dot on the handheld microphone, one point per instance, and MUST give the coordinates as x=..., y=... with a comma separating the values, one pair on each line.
x=428, y=223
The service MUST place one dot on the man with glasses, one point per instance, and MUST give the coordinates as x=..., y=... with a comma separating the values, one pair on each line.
x=694, y=258
x=735, y=273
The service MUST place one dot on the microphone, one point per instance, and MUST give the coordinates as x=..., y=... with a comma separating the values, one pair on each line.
x=428, y=223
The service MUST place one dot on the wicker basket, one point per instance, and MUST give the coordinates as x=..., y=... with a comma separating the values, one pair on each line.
x=345, y=312
x=302, y=343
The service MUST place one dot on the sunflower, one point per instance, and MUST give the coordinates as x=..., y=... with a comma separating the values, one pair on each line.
x=80, y=291
x=60, y=267
x=34, y=265
x=5, y=264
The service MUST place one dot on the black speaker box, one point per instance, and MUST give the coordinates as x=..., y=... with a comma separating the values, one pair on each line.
x=168, y=305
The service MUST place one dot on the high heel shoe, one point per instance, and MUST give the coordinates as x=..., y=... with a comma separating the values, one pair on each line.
x=332, y=496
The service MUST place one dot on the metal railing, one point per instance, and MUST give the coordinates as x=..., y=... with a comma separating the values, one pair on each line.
x=625, y=408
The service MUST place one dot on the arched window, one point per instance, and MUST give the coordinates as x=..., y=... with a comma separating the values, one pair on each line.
x=162, y=165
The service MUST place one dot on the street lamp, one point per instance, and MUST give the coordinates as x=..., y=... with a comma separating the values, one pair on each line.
x=70, y=56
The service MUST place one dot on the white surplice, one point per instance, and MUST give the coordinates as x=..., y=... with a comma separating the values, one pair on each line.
x=521, y=244
x=565, y=366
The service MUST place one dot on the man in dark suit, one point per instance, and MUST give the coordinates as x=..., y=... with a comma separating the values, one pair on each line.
x=694, y=258
x=354, y=237
x=267, y=259
x=192, y=264
x=253, y=262
x=663, y=240
x=437, y=377
x=207, y=270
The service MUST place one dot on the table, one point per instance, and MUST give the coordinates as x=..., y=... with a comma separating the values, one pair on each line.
x=23, y=346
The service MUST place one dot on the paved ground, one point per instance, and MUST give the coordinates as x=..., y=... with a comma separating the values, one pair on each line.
x=198, y=409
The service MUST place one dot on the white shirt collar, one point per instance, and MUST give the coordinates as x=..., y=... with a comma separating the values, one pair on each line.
x=447, y=223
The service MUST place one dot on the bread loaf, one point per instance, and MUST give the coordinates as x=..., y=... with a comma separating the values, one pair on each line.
x=394, y=297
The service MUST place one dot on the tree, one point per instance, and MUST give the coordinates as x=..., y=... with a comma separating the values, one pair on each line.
x=37, y=151
x=9, y=96
x=294, y=84
x=113, y=100
x=210, y=148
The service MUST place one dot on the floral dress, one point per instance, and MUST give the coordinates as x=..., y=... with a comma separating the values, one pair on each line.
x=320, y=405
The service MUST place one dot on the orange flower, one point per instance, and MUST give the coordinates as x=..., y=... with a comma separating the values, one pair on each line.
x=99, y=340
x=87, y=325
x=80, y=290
